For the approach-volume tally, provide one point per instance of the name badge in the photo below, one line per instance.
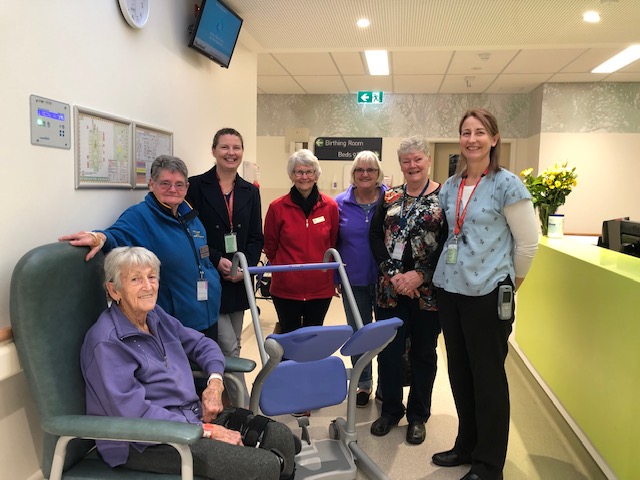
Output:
(317, 220)
(452, 251)
(230, 243)
(202, 290)
(398, 250)
(204, 251)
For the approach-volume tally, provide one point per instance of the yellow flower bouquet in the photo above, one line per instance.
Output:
(549, 190)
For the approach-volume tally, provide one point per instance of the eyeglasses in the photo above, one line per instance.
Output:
(302, 173)
(369, 171)
(164, 185)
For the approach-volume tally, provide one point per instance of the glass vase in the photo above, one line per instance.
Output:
(543, 213)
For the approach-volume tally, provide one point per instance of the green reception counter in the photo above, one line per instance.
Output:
(578, 325)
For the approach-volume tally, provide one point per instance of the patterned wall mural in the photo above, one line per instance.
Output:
(591, 107)
(555, 107)
(436, 116)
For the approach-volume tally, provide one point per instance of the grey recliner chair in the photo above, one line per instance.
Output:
(55, 298)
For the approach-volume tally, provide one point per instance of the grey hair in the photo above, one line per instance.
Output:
(370, 159)
(413, 144)
(167, 162)
(122, 258)
(306, 158)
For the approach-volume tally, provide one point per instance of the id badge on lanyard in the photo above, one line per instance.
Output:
(452, 251)
(202, 288)
(230, 242)
(398, 250)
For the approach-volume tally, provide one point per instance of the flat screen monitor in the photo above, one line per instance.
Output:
(621, 235)
(216, 31)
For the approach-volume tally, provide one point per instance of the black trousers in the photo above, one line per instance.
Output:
(423, 328)
(293, 314)
(476, 341)
(217, 460)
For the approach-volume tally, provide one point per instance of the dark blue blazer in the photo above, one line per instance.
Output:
(206, 197)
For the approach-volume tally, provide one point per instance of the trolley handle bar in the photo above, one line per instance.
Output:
(296, 267)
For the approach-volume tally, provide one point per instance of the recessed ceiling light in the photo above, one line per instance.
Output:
(622, 59)
(377, 62)
(591, 16)
(363, 23)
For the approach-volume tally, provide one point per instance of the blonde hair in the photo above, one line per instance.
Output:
(368, 158)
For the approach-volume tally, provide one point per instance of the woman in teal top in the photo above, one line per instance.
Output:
(492, 237)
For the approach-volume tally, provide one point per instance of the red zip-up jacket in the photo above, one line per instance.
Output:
(291, 238)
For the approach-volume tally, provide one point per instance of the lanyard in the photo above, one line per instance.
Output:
(187, 230)
(460, 217)
(403, 217)
(228, 201)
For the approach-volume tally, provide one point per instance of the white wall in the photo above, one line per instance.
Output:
(84, 53)
(606, 165)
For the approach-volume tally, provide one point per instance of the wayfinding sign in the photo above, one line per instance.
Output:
(345, 148)
(370, 97)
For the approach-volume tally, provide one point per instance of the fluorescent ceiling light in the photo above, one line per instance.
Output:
(377, 62)
(363, 23)
(622, 59)
(591, 16)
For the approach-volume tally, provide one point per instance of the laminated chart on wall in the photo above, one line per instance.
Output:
(103, 150)
(150, 142)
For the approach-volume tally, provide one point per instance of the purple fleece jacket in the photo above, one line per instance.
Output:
(129, 373)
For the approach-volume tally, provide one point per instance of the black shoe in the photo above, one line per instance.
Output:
(378, 396)
(416, 433)
(382, 426)
(475, 476)
(450, 458)
(471, 476)
(362, 399)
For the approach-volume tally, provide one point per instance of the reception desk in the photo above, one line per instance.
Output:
(578, 326)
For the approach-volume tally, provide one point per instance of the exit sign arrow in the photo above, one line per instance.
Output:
(369, 97)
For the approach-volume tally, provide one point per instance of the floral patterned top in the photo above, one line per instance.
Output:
(423, 235)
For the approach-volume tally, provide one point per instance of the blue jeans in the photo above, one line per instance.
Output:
(365, 300)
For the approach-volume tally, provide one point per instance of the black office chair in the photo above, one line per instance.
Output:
(55, 298)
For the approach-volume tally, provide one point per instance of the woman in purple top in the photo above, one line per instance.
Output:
(135, 363)
(356, 207)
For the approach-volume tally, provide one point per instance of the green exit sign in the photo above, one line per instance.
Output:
(369, 97)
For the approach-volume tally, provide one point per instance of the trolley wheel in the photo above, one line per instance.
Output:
(334, 431)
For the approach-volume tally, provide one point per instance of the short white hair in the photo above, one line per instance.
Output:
(306, 158)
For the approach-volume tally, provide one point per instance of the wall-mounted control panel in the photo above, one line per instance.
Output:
(50, 123)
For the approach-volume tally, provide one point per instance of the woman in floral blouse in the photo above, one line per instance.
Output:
(407, 233)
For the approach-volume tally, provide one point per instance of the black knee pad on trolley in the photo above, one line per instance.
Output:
(262, 432)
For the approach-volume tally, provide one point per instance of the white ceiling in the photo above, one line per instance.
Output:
(436, 46)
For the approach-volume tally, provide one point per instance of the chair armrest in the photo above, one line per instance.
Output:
(121, 428)
(232, 364)
(237, 364)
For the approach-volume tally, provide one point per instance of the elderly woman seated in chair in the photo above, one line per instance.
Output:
(135, 362)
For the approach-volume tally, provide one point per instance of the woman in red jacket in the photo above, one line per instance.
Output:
(299, 228)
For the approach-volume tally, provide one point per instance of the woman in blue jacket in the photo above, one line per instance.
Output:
(356, 207)
(168, 226)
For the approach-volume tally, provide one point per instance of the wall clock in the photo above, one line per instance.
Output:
(135, 12)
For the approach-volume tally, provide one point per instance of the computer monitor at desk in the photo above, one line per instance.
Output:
(621, 235)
